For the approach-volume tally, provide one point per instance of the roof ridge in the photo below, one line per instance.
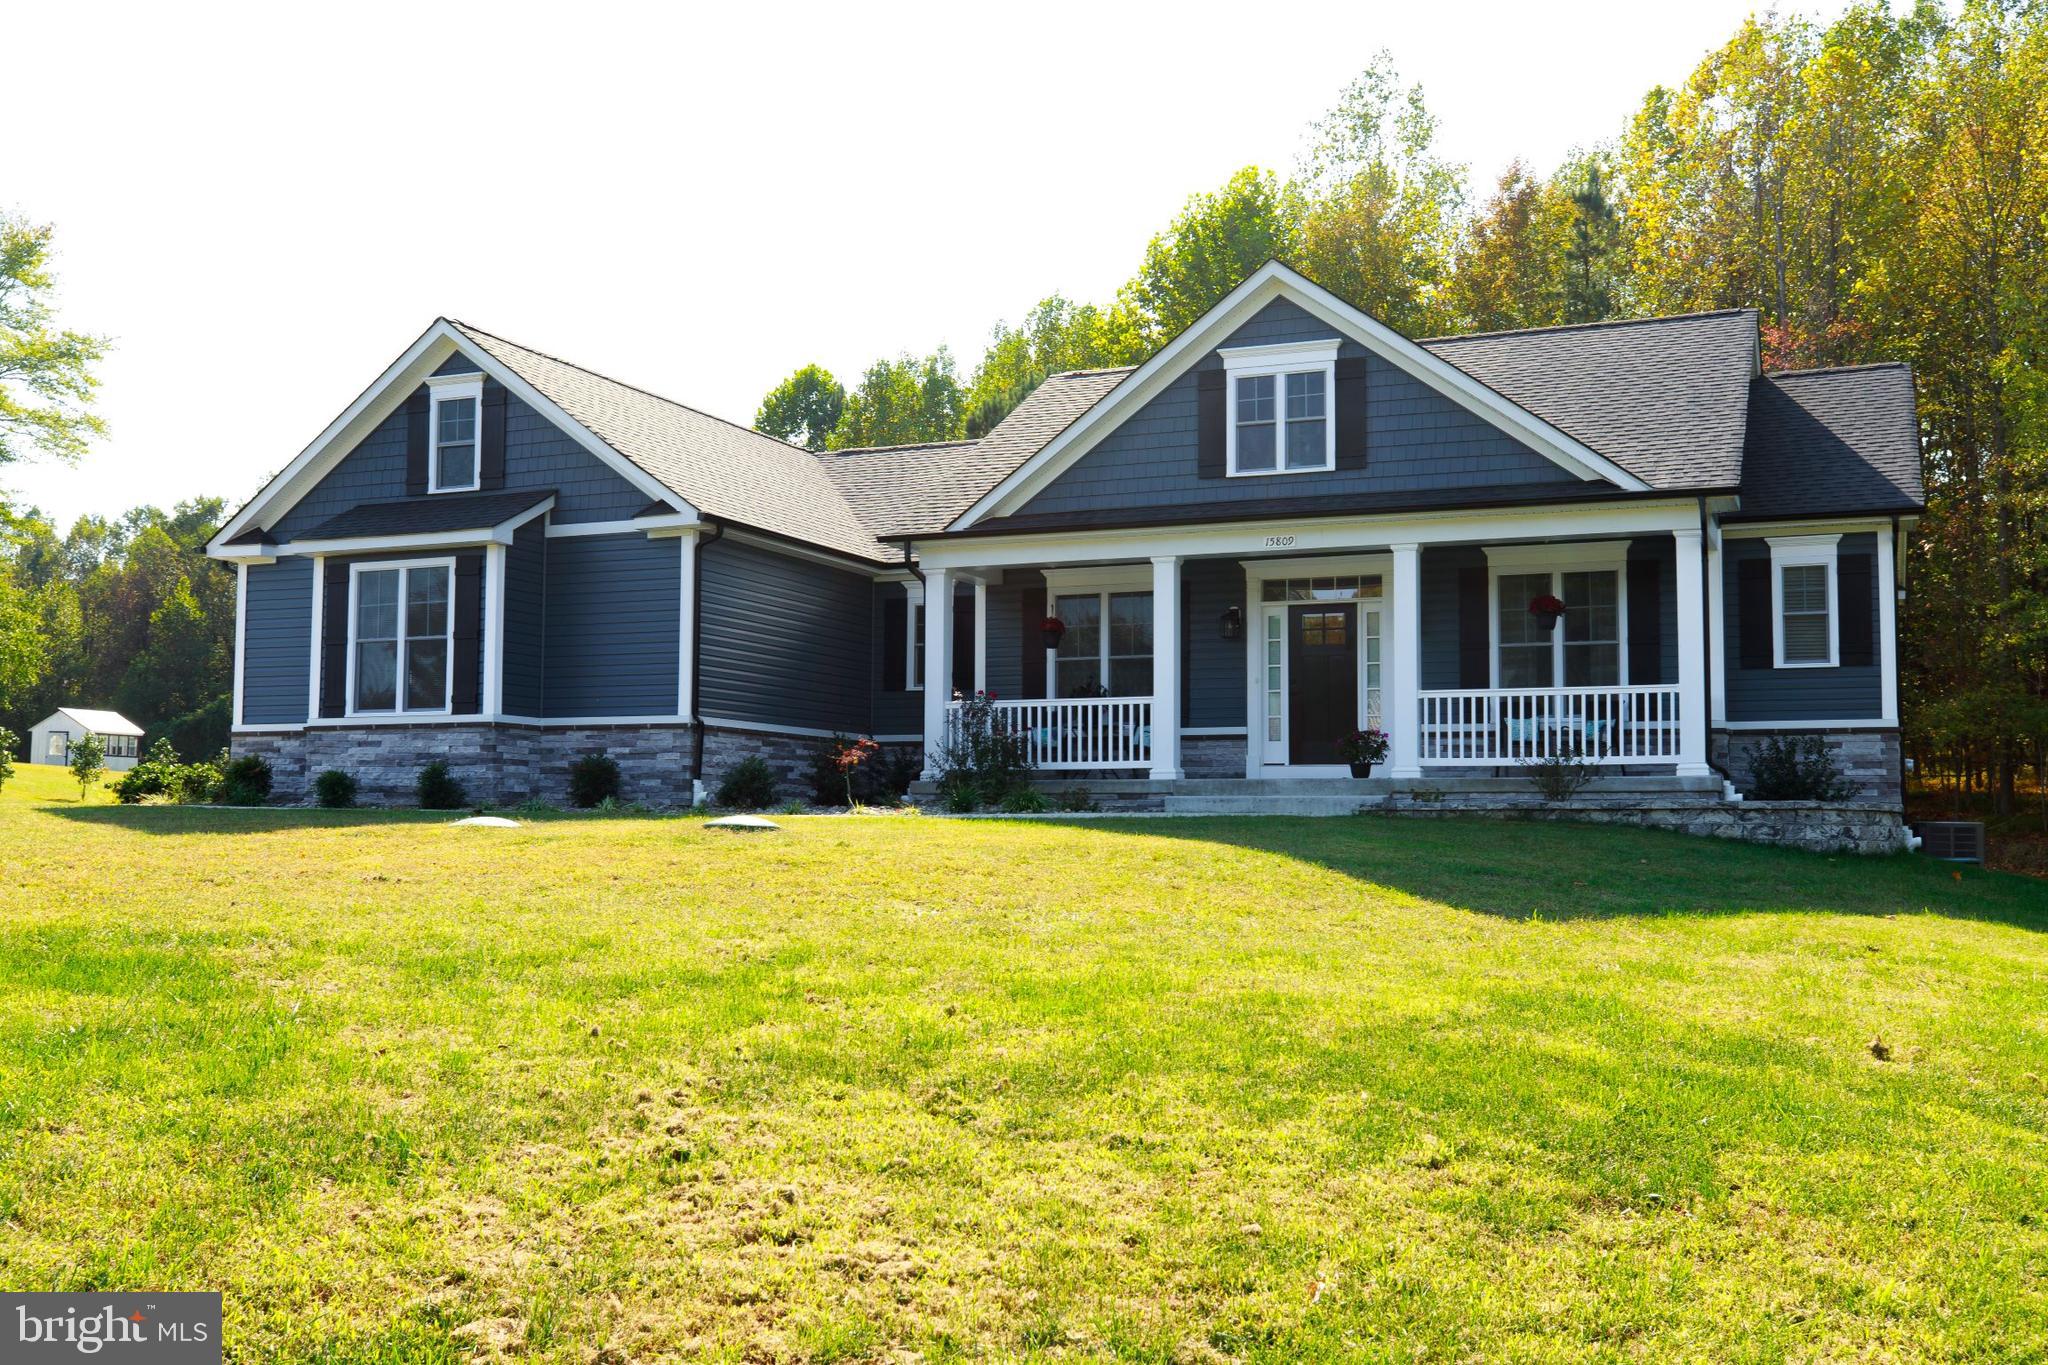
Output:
(909, 445)
(644, 392)
(1086, 374)
(1838, 369)
(1585, 326)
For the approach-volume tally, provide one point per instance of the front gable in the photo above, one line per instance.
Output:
(1432, 430)
(538, 455)
(1417, 441)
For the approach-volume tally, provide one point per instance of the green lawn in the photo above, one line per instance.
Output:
(614, 1089)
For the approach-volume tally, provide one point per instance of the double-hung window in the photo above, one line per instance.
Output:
(1583, 648)
(1279, 408)
(1803, 600)
(455, 431)
(400, 634)
(913, 671)
(1106, 649)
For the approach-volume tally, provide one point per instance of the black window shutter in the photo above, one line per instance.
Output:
(1645, 621)
(1753, 608)
(895, 643)
(963, 642)
(416, 445)
(1210, 420)
(1351, 383)
(1857, 632)
(1475, 632)
(1032, 644)
(467, 641)
(491, 457)
(334, 638)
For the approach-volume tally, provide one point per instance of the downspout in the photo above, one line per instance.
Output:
(697, 545)
(918, 574)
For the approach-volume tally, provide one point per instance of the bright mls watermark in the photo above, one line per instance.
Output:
(161, 1329)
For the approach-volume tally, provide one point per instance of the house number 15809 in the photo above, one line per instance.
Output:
(1279, 542)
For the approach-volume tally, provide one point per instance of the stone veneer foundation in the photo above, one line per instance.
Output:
(1868, 758)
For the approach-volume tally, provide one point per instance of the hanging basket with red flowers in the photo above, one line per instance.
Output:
(1050, 630)
(1546, 609)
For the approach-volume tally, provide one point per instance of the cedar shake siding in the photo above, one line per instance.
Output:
(786, 641)
(537, 456)
(1417, 441)
(1764, 693)
(277, 643)
(612, 620)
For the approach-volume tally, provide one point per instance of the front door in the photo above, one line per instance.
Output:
(1322, 681)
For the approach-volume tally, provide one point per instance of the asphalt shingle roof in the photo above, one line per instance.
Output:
(725, 470)
(1832, 441)
(421, 516)
(1667, 399)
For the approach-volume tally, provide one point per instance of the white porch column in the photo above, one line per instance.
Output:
(1165, 668)
(1404, 705)
(938, 663)
(686, 630)
(493, 698)
(1692, 655)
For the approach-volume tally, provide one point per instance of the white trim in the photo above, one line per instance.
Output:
(501, 534)
(1555, 561)
(319, 627)
(1099, 578)
(1887, 629)
(1404, 687)
(938, 655)
(1323, 566)
(686, 629)
(1717, 632)
(1791, 530)
(1687, 551)
(1213, 731)
(913, 635)
(452, 389)
(241, 633)
(1274, 280)
(1558, 556)
(403, 566)
(1101, 582)
(1278, 363)
(1796, 726)
(1165, 725)
(383, 397)
(1788, 552)
(492, 696)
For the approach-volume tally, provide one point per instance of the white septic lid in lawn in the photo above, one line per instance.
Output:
(488, 822)
(740, 822)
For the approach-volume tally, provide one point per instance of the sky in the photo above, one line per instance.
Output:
(264, 207)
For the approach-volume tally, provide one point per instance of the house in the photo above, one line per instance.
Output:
(1288, 523)
(50, 741)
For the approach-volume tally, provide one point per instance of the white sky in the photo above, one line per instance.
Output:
(263, 208)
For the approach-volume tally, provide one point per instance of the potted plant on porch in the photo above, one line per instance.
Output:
(1363, 748)
(1050, 630)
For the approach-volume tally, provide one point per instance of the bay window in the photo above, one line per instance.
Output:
(400, 635)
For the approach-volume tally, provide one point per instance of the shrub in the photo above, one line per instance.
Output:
(334, 789)
(1565, 774)
(438, 789)
(841, 774)
(1075, 798)
(980, 763)
(156, 775)
(1025, 801)
(1796, 768)
(748, 785)
(593, 778)
(244, 781)
(6, 754)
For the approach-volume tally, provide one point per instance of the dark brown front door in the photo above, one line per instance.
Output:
(1322, 681)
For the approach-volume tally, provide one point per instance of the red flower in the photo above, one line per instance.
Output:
(1545, 605)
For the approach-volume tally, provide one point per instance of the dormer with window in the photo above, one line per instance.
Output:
(455, 433)
(1279, 418)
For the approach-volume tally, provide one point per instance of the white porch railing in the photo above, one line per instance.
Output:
(1077, 732)
(1514, 725)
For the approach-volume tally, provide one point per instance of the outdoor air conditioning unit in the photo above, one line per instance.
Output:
(1952, 841)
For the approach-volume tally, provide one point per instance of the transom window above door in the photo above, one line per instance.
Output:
(1337, 588)
(400, 635)
(453, 463)
(1279, 418)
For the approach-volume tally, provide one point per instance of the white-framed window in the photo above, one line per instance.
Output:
(455, 429)
(401, 635)
(1106, 649)
(1804, 601)
(120, 746)
(1279, 409)
(60, 746)
(1587, 647)
(913, 663)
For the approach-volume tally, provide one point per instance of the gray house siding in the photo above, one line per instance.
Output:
(612, 625)
(893, 711)
(537, 455)
(1794, 694)
(526, 621)
(1417, 440)
(785, 641)
(1215, 667)
(277, 645)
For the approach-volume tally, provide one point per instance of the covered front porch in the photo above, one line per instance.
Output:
(1205, 653)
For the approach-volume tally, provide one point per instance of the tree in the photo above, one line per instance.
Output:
(804, 408)
(1211, 245)
(7, 743)
(1590, 292)
(1512, 271)
(46, 374)
(903, 401)
(88, 762)
(1056, 335)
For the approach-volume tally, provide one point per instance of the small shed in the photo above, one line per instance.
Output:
(51, 741)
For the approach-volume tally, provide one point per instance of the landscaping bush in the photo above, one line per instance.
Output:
(438, 789)
(1075, 798)
(1796, 768)
(593, 778)
(1565, 774)
(156, 775)
(7, 742)
(845, 771)
(335, 789)
(1025, 801)
(244, 781)
(749, 785)
(979, 762)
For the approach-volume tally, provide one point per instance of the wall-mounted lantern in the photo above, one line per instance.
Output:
(1233, 623)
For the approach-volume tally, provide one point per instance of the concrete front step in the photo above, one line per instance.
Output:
(1267, 805)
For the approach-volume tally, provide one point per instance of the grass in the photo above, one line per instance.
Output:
(605, 1089)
